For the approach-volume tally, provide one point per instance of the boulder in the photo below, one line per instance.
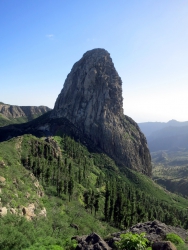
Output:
(3, 211)
(163, 245)
(91, 242)
(28, 212)
(2, 179)
(43, 212)
(13, 211)
(2, 164)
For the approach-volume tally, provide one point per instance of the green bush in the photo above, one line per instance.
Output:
(50, 247)
(182, 247)
(132, 241)
(48, 243)
(174, 238)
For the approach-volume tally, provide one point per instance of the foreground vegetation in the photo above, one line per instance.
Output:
(83, 191)
(133, 241)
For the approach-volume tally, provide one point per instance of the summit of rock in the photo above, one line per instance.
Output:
(92, 83)
(92, 100)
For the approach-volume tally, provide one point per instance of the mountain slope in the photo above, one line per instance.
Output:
(67, 169)
(82, 191)
(10, 114)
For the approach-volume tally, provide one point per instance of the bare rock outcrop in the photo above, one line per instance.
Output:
(3, 211)
(13, 210)
(91, 99)
(91, 242)
(2, 164)
(43, 212)
(11, 112)
(155, 231)
(2, 180)
(29, 212)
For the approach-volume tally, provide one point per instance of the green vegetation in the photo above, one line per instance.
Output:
(182, 247)
(77, 186)
(177, 157)
(132, 241)
(174, 238)
(177, 241)
(171, 170)
(17, 233)
(4, 121)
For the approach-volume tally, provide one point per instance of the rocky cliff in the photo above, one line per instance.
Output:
(92, 100)
(15, 114)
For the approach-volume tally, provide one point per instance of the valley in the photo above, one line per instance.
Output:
(169, 152)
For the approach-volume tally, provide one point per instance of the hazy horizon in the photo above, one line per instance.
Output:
(147, 40)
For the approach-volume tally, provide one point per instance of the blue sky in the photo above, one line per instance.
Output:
(40, 40)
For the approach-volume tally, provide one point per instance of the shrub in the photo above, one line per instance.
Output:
(174, 238)
(182, 247)
(132, 241)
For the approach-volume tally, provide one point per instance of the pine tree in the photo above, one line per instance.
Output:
(107, 202)
(70, 187)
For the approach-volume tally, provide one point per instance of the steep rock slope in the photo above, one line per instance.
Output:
(16, 114)
(92, 100)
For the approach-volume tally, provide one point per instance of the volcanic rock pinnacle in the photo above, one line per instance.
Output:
(92, 100)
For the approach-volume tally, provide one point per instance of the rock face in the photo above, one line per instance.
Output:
(13, 112)
(92, 100)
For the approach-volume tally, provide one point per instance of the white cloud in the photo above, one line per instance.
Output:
(50, 36)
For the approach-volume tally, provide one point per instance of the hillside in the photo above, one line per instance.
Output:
(11, 114)
(171, 169)
(174, 179)
(86, 189)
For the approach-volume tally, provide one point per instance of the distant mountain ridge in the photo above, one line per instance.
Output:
(10, 114)
(149, 127)
(165, 136)
(168, 144)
